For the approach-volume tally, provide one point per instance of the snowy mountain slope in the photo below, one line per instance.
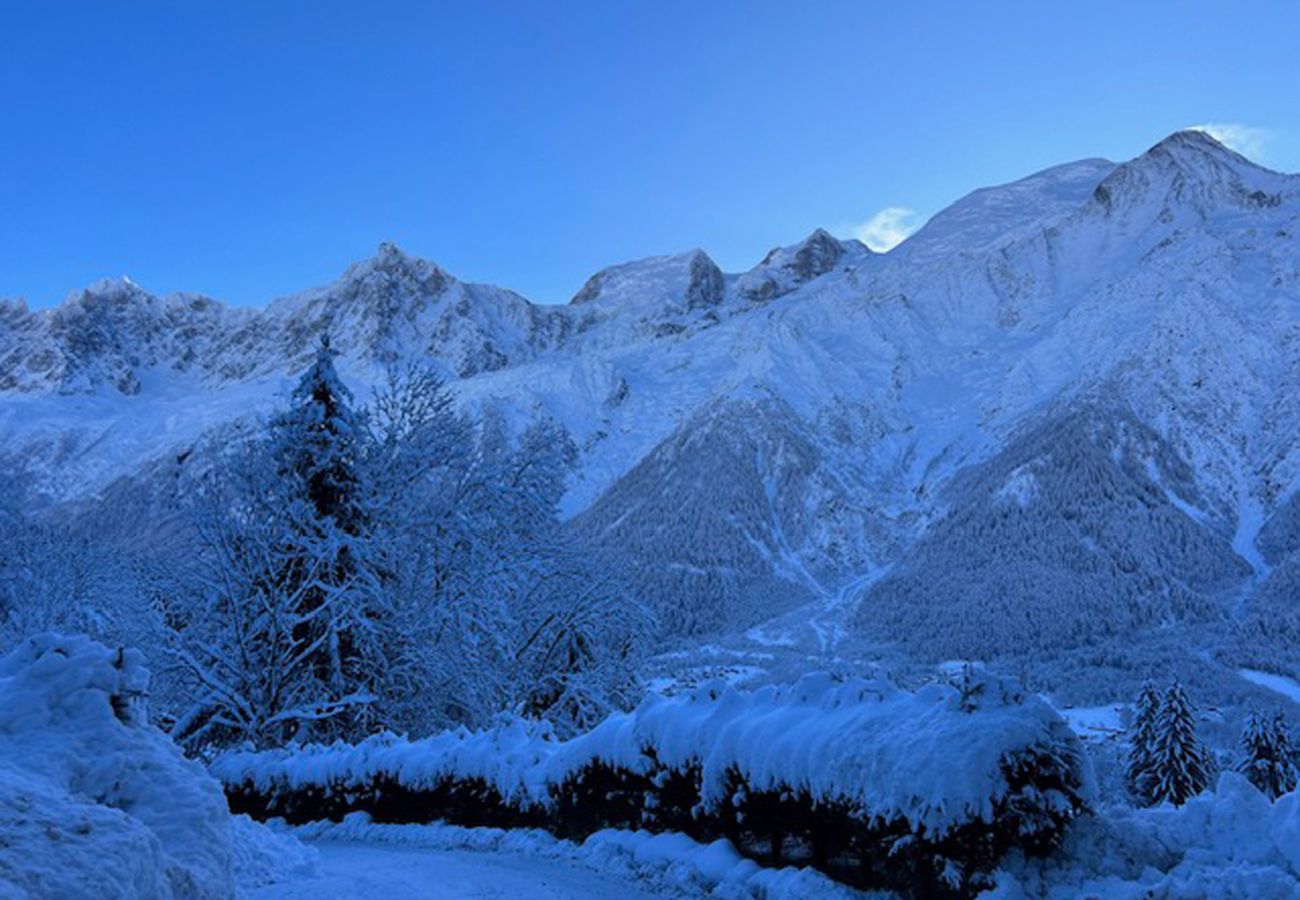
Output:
(1083, 529)
(810, 414)
(686, 530)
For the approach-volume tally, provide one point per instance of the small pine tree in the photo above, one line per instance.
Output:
(1142, 744)
(1268, 757)
(1181, 765)
(1286, 752)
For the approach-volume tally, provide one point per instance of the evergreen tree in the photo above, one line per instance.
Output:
(285, 637)
(1181, 765)
(1268, 757)
(1142, 744)
(318, 448)
(318, 440)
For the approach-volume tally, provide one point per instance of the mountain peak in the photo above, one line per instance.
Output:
(1192, 144)
(691, 280)
(1192, 138)
(1189, 171)
(786, 268)
(391, 259)
(119, 293)
(121, 284)
(391, 264)
(389, 251)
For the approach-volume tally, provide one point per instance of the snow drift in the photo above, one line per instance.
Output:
(96, 803)
(842, 775)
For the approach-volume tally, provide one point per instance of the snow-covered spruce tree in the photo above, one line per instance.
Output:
(1138, 773)
(1268, 759)
(234, 622)
(318, 447)
(286, 632)
(1180, 765)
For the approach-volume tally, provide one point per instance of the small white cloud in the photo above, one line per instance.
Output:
(887, 228)
(1247, 140)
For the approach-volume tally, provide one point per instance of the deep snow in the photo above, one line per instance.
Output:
(96, 803)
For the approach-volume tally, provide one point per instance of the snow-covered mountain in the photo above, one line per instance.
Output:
(1096, 366)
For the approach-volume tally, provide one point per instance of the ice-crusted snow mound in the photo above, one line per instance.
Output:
(934, 758)
(94, 802)
(1232, 843)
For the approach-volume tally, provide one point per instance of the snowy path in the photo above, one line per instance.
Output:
(387, 872)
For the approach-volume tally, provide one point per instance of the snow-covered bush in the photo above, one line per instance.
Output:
(1231, 843)
(93, 801)
(876, 786)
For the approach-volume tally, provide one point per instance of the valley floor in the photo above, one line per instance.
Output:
(353, 869)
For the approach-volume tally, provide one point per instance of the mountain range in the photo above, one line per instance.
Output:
(1062, 415)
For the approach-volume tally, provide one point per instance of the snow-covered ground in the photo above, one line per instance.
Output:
(361, 859)
(94, 802)
(353, 869)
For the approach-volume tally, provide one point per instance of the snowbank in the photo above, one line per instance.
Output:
(263, 855)
(93, 801)
(53, 844)
(1233, 843)
(831, 773)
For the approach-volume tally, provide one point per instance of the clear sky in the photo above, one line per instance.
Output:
(250, 149)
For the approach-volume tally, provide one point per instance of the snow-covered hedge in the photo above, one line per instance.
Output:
(876, 786)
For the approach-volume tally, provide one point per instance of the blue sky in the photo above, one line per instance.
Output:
(246, 150)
